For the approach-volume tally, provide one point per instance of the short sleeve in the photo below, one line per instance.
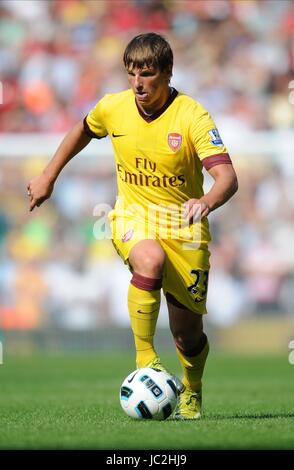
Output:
(206, 138)
(94, 122)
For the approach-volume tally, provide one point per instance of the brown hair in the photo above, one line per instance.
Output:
(149, 49)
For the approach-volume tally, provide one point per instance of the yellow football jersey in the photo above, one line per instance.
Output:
(159, 158)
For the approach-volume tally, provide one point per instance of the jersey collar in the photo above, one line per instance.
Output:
(159, 112)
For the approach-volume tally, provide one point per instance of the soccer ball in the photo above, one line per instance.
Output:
(148, 393)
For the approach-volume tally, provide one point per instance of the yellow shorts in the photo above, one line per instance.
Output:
(186, 270)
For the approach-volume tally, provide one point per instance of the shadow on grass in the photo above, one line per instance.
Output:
(249, 416)
(217, 417)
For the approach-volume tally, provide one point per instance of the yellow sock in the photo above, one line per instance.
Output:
(143, 309)
(193, 368)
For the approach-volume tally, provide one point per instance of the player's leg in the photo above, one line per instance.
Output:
(191, 342)
(192, 349)
(147, 260)
(185, 286)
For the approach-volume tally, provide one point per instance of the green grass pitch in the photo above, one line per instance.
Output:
(71, 402)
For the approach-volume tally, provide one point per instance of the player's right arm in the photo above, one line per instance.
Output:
(40, 188)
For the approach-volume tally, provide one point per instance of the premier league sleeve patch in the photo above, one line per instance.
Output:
(215, 137)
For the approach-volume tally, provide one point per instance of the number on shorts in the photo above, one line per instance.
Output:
(194, 289)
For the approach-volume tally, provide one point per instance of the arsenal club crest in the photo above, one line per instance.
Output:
(174, 141)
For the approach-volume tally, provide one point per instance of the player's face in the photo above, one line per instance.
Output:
(150, 85)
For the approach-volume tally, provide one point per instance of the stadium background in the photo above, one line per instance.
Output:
(63, 289)
(64, 328)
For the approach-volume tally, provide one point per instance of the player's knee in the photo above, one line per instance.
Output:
(153, 264)
(190, 343)
(148, 261)
(184, 342)
(149, 266)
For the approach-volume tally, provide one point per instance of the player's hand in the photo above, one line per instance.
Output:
(195, 209)
(39, 189)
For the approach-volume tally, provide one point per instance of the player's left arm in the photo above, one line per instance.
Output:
(224, 187)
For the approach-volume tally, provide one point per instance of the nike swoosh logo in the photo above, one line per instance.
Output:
(130, 380)
(140, 311)
(118, 135)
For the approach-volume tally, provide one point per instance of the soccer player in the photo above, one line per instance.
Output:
(161, 139)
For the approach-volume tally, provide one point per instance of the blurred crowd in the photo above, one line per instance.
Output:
(56, 59)
(58, 270)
